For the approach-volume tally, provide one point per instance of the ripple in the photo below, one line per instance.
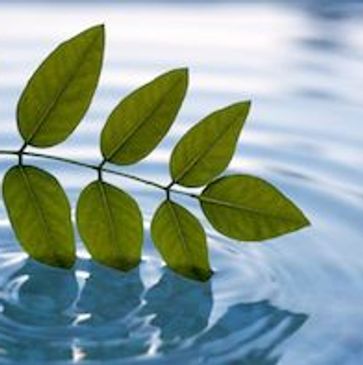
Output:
(293, 300)
(93, 313)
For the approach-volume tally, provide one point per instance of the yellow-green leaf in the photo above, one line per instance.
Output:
(39, 213)
(206, 149)
(181, 241)
(60, 91)
(141, 120)
(110, 225)
(248, 208)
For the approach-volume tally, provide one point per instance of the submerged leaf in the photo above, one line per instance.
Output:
(206, 150)
(141, 120)
(248, 208)
(39, 213)
(181, 241)
(110, 224)
(60, 91)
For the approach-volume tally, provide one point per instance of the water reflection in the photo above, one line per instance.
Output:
(121, 294)
(108, 305)
(300, 62)
(250, 333)
(39, 295)
(35, 314)
(180, 308)
(50, 314)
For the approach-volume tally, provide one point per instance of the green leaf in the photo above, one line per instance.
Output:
(206, 150)
(141, 120)
(60, 91)
(39, 213)
(110, 224)
(248, 208)
(181, 241)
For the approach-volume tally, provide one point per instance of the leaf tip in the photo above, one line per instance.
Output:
(66, 265)
(123, 265)
(101, 28)
(97, 31)
(207, 275)
(305, 222)
(194, 273)
(244, 105)
(301, 219)
(98, 27)
(202, 275)
(182, 72)
(63, 263)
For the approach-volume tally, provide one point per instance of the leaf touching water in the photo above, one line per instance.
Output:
(110, 224)
(60, 91)
(181, 241)
(206, 149)
(141, 120)
(247, 208)
(39, 213)
(109, 221)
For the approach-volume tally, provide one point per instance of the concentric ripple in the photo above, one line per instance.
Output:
(293, 300)
(93, 314)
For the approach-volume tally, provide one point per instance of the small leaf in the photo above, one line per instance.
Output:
(110, 224)
(60, 91)
(181, 241)
(39, 213)
(206, 150)
(249, 209)
(141, 120)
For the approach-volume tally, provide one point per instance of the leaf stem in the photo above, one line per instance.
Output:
(169, 186)
(22, 148)
(21, 152)
(103, 162)
(99, 168)
(99, 174)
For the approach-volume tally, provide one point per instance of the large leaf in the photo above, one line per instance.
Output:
(206, 149)
(110, 224)
(60, 91)
(249, 209)
(181, 240)
(141, 120)
(39, 212)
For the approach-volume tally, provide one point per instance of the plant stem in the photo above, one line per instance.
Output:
(98, 168)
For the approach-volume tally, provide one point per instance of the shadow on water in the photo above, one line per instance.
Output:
(39, 296)
(34, 317)
(250, 333)
(180, 308)
(49, 314)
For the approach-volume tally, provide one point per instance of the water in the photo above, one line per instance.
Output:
(293, 300)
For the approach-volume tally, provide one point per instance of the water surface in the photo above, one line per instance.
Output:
(293, 300)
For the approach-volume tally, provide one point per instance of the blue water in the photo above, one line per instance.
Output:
(296, 300)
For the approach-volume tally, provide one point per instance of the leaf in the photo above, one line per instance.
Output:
(206, 149)
(141, 120)
(39, 213)
(247, 208)
(110, 224)
(60, 91)
(181, 241)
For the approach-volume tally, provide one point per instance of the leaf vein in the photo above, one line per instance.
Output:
(108, 212)
(139, 125)
(247, 209)
(48, 235)
(51, 106)
(202, 154)
(179, 230)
